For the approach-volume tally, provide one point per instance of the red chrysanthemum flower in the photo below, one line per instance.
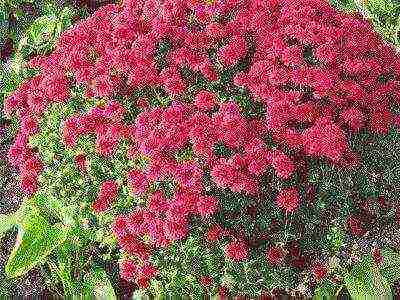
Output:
(81, 162)
(119, 227)
(146, 272)
(288, 199)
(133, 246)
(292, 56)
(32, 165)
(176, 228)
(107, 140)
(223, 292)
(137, 181)
(283, 165)
(397, 121)
(107, 194)
(207, 205)
(355, 226)
(214, 233)
(233, 51)
(206, 281)
(377, 256)
(70, 132)
(320, 271)
(205, 100)
(354, 118)
(325, 139)
(128, 269)
(237, 251)
(380, 121)
(29, 183)
(275, 255)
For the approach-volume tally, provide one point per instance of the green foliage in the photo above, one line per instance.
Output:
(36, 240)
(100, 284)
(365, 280)
(347, 5)
(251, 109)
(44, 31)
(380, 172)
(221, 150)
(335, 238)
(326, 290)
(35, 27)
(254, 276)
(181, 267)
(163, 48)
(383, 14)
(390, 265)
(232, 202)
(63, 203)
(185, 154)
(6, 223)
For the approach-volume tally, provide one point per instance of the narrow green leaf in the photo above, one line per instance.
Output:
(65, 254)
(347, 5)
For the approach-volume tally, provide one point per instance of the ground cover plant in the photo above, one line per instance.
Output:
(195, 149)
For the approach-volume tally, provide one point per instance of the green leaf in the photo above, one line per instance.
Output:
(44, 25)
(6, 223)
(390, 265)
(326, 290)
(67, 15)
(364, 281)
(32, 248)
(35, 241)
(347, 5)
(184, 154)
(100, 285)
(139, 295)
(64, 268)
(49, 204)
(335, 238)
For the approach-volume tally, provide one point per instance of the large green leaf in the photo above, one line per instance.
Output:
(364, 281)
(35, 241)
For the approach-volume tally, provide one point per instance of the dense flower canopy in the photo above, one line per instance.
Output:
(318, 76)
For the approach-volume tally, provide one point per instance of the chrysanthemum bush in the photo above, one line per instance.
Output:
(202, 140)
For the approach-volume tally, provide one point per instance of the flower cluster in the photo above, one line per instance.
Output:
(318, 74)
(107, 195)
